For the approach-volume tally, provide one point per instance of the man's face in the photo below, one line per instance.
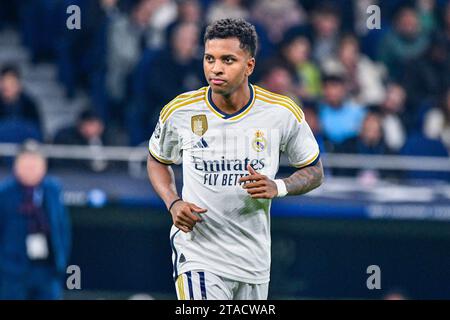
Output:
(279, 81)
(226, 65)
(185, 41)
(190, 11)
(326, 24)
(91, 129)
(29, 169)
(298, 51)
(348, 53)
(10, 87)
(371, 129)
(334, 93)
(408, 23)
(395, 99)
(143, 12)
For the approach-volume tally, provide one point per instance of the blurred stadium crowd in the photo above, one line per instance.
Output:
(380, 91)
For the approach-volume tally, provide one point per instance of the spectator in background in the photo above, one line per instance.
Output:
(295, 51)
(427, 77)
(426, 14)
(40, 26)
(364, 78)
(406, 42)
(226, 9)
(341, 119)
(446, 24)
(81, 54)
(164, 14)
(126, 40)
(437, 121)
(34, 231)
(88, 131)
(310, 110)
(188, 11)
(182, 71)
(326, 21)
(15, 104)
(276, 17)
(443, 35)
(391, 110)
(370, 141)
(278, 77)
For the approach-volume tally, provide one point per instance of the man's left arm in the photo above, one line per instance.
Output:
(305, 179)
(259, 186)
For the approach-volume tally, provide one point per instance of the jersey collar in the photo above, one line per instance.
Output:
(234, 116)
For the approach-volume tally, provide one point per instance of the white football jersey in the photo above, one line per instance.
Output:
(233, 240)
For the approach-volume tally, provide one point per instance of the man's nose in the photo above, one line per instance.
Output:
(217, 67)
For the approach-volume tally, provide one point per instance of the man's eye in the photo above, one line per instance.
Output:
(209, 59)
(229, 60)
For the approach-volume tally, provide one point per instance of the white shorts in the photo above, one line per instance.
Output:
(204, 285)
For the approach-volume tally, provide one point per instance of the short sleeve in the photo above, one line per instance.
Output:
(299, 144)
(164, 144)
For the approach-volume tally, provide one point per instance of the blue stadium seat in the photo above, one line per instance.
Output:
(17, 131)
(419, 145)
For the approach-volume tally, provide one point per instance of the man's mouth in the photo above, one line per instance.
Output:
(217, 81)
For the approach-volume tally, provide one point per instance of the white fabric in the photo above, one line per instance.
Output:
(281, 187)
(394, 133)
(435, 126)
(204, 285)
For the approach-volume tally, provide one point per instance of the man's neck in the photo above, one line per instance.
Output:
(233, 102)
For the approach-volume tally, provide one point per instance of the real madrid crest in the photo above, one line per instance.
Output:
(199, 124)
(259, 143)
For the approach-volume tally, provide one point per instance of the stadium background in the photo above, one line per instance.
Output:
(386, 199)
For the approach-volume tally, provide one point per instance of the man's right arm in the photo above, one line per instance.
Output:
(163, 181)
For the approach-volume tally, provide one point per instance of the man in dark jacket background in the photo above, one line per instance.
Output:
(15, 103)
(34, 231)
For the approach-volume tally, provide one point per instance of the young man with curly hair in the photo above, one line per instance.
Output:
(228, 137)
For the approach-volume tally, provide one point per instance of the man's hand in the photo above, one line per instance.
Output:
(183, 215)
(258, 185)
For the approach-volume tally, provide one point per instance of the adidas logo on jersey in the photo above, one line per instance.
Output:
(201, 144)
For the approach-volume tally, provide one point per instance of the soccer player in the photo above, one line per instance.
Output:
(228, 137)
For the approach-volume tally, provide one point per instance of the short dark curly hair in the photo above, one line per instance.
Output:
(234, 28)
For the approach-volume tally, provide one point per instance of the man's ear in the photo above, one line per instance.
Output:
(250, 66)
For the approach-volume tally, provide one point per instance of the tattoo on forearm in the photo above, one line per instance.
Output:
(305, 180)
